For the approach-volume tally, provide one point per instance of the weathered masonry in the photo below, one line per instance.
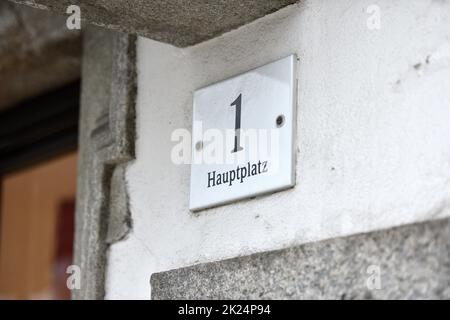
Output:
(369, 215)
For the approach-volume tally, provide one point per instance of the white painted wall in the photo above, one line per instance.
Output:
(373, 135)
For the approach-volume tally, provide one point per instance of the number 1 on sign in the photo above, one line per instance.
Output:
(237, 124)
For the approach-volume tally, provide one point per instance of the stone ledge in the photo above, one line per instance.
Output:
(414, 263)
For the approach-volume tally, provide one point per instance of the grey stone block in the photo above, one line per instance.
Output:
(107, 135)
(413, 263)
(178, 22)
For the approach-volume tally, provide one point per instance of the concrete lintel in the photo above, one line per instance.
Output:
(179, 22)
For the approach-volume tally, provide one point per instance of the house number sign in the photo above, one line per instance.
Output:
(243, 136)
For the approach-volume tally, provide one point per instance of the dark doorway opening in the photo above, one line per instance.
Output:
(38, 162)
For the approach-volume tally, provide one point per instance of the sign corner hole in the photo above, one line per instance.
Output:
(280, 120)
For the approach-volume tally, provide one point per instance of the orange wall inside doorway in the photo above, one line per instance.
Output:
(30, 203)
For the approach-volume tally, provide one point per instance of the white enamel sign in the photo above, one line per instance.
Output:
(243, 136)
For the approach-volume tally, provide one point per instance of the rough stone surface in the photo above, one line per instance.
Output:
(178, 22)
(414, 263)
(106, 144)
(37, 53)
